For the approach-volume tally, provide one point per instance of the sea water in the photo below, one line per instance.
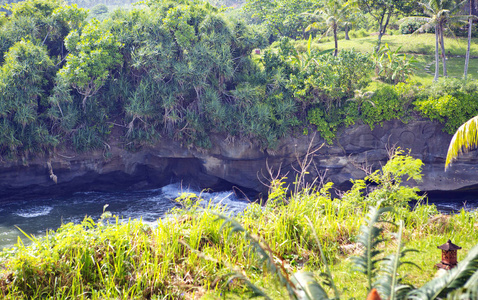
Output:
(36, 216)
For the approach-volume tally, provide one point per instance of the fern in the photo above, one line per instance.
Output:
(389, 284)
(370, 238)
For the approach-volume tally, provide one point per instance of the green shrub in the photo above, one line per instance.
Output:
(327, 79)
(451, 102)
(391, 66)
(384, 105)
(328, 123)
(409, 26)
(453, 110)
(358, 33)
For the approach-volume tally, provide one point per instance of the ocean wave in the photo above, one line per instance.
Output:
(34, 212)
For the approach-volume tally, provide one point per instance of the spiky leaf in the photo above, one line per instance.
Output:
(465, 139)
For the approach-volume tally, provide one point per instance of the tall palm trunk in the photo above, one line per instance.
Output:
(436, 54)
(443, 54)
(470, 26)
(467, 59)
(347, 32)
(335, 39)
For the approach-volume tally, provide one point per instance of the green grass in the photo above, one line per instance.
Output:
(189, 256)
(421, 46)
(192, 254)
(455, 68)
(415, 44)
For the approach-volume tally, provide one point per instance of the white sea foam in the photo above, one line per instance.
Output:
(172, 191)
(228, 199)
(34, 211)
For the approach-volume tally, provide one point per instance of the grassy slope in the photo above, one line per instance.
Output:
(132, 261)
(422, 47)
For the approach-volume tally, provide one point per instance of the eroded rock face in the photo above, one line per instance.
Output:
(244, 164)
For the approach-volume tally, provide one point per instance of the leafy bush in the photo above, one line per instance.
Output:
(328, 123)
(358, 33)
(452, 102)
(391, 66)
(409, 26)
(384, 105)
(315, 77)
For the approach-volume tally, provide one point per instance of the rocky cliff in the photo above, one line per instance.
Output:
(242, 163)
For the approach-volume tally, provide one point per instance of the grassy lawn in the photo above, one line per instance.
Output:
(425, 68)
(417, 44)
(426, 239)
(422, 47)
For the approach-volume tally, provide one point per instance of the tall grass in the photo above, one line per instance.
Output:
(190, 254)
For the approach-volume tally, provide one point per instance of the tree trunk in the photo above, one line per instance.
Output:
(382, 30)
(347, 32)
(335, 39)
(467, 59)
(379, 42)
(443, 54)
(436, 54)
(84, 102)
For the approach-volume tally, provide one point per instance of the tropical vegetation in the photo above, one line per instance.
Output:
(186, 70)
(440, 14)
(78, 80)
(201, 250)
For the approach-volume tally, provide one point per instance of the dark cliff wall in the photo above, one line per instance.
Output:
(243, 164)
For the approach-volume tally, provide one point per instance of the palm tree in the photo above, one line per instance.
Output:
(334, 13)
(470, 25)
(440, 13)
(464, 140)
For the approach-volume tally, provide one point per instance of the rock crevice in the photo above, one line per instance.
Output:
(242, 163)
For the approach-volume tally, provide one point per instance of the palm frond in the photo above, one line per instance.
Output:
(464, 293)
(458, 6)
(389, 284)
(464, 140)
(307, 287)
(370, 238)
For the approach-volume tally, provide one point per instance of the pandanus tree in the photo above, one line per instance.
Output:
(22, 86)
(333, 13)
(44, 22)
(93, 53)
(440, 13)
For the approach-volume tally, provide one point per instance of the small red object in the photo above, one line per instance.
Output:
(448, 256)
(373, 295)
